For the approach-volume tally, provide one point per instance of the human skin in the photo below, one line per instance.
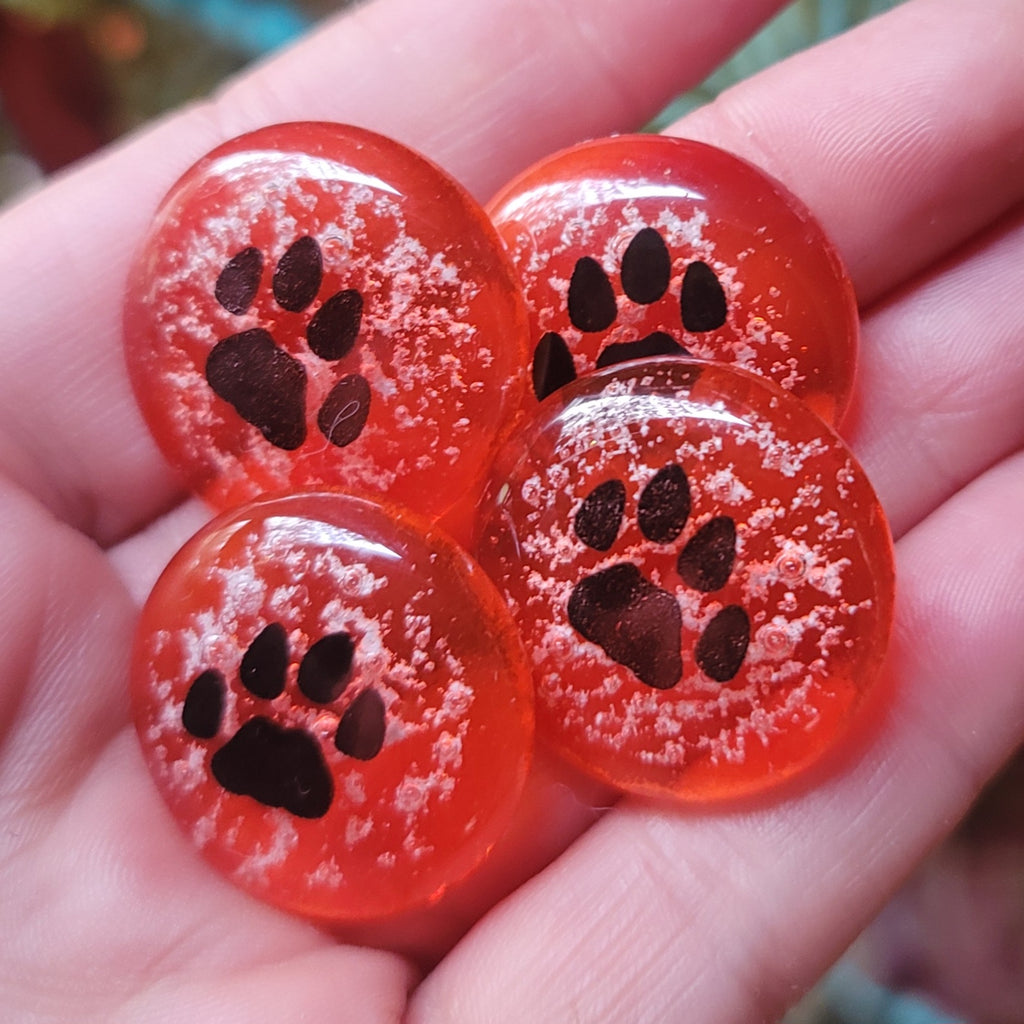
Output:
(906, 138)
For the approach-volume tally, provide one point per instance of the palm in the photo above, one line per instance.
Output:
(106, 911)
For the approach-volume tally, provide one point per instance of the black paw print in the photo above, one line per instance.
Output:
(267, 386)
(274, 764)
(645, 274)
(636, 623)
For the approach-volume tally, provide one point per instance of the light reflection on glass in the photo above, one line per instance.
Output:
(298, 165)
(596, 191)
(608, 410)
(290, 531)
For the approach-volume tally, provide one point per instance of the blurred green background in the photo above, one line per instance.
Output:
(75, 74)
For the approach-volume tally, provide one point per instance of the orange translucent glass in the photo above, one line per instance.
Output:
(318, 306)
(639, 246)
(701, 573)
(335, 704)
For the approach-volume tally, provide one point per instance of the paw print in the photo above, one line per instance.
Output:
(264, 383)
(277, 765)
(638, 624)
(592, 306)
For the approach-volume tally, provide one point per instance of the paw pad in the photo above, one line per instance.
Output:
(637, 623)
(280, 765)
(347, 319)
(265, 384)
(638, 246)
(592, 307)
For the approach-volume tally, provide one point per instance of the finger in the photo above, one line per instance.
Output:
(66, 624)
(886, 156)
(486, 95)
(657, 915)
(109, 914)
(479, 87)
(104, 906)
(139, 560)
(905, 136)
(306, 987)
(940, 380)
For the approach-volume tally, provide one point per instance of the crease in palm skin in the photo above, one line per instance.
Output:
(107, 912)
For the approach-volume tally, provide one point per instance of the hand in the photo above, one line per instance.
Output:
(906, 139)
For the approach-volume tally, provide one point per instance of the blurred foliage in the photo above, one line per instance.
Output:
(50, 11)
(848, 996)
(174, 63)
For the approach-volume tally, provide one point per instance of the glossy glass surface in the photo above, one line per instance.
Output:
(701, 573)
(638, 246)
(334, 703)
(316, 305)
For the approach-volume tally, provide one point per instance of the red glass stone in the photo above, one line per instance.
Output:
(647, 245)
(318, 306)
(701, 573)
(335, 704)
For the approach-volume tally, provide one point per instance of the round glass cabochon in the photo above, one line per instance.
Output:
(701, 572)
